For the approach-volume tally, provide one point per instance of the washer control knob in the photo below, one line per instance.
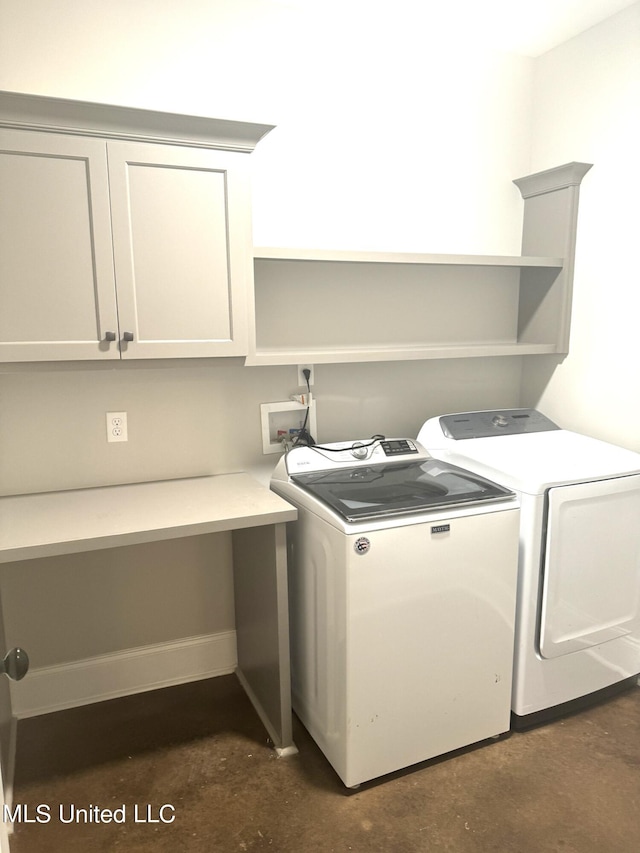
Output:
(500, 421)
(359, 451)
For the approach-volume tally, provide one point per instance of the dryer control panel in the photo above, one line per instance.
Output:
(496, 422)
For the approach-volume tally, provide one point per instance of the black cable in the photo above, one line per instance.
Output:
(304, 437)
(373, 440)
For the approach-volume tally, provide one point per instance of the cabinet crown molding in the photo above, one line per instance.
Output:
(568, 175)
(59, 115)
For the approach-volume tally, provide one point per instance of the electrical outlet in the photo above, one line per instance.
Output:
(117, 426)
(301, 377)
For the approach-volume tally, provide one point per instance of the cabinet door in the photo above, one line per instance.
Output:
(182, 248)
(57, 295)
(7, 747)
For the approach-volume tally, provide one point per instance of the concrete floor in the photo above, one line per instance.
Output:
(572, 786)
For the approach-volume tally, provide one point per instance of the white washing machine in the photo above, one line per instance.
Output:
(402, 579)
(578, 613)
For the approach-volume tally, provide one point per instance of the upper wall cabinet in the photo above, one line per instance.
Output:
(123, 233)
(336, 306)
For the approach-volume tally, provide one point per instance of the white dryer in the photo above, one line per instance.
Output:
(402, 584)
(578, 610)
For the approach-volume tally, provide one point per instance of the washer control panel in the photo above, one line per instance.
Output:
(354, 454)
(498, 422)
(398, 446)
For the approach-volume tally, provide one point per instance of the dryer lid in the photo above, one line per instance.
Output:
(533, 461)
(398, 488)
(494, 423)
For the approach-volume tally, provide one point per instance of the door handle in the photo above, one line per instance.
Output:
(110, 336)
(128, 336)
(15, 664)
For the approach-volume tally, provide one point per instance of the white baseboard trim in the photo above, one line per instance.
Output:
(54, 688)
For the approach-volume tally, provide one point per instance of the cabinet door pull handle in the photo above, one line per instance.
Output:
(128, 336)
(110, 336)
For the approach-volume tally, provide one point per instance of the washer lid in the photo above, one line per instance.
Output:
(495, 423)
(398, 488)
(533, 462)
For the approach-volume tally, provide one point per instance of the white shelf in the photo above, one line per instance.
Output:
(347, 354)
(322, 306)
(345, 256)
(318, 306)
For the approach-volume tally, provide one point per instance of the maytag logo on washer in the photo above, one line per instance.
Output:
(361, 545)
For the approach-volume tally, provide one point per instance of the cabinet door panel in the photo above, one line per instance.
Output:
(57, 295)
(7, 746)
(182, 250)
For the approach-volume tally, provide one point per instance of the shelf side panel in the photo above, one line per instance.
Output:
(549, 227)
(542, 306)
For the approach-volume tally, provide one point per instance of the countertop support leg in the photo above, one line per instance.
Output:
(262, 627)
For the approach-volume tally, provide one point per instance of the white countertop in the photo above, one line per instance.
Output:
(50, 523)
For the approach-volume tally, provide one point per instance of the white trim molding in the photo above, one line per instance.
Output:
(85, 118)
(68, 685)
